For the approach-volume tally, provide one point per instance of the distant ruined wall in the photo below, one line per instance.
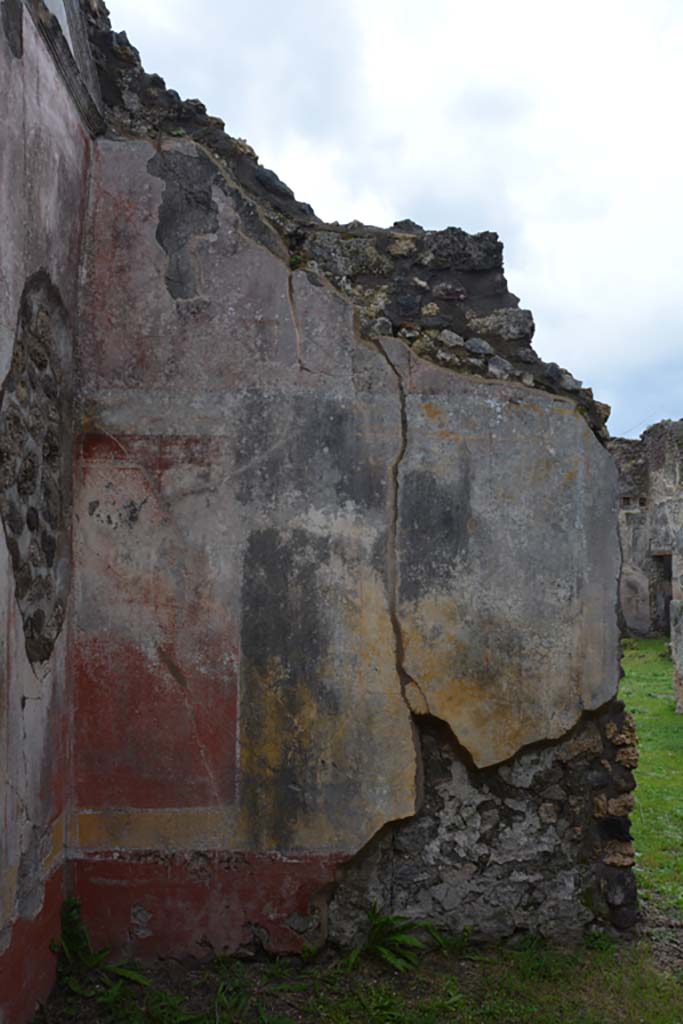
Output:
(651, 534)
(325, 614)
(650, 523)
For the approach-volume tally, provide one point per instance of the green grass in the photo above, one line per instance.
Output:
(647, 691)
(598, 983)
(532, 985)
(601, 982)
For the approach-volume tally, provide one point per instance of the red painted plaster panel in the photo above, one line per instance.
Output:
(27, 967)
(155, 650)
(147, 735)
(195, 904)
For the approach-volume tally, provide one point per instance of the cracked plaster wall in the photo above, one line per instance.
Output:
(43, 171)
(343, 612)
(298, 539)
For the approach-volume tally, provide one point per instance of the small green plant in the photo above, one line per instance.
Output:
(233, 996)
(392, 939)
(82, 969)
(535, 960)
(600, 942)
(458, 945)
(381, 1005)
(231, 999)
(295, 261)
(116, 988)
(452, 996)
(308, 954)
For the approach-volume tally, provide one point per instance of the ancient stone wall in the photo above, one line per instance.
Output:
(650, 523)
(44, 152)
(539, 844)
(35, 460)
(368, 506)
(651, 534)
(341, 617)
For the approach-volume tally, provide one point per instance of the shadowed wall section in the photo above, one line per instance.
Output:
(44, 155)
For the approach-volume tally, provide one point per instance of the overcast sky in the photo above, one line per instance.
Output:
(558, 126)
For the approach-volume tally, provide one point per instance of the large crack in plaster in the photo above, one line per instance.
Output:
(411, 690)
(295, 324)
(413, 694)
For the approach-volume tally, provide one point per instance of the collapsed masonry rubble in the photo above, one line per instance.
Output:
(328, 617)
(651, 533)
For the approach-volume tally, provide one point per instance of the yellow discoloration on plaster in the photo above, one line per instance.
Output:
(189, 828)
(484, 695)
(432, 411)
(342, 742)
(508, 633)
(416, 699)
(56, 853)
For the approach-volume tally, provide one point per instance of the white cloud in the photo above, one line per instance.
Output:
(555, 126)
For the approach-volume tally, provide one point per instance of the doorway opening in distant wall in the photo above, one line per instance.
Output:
(660, 591)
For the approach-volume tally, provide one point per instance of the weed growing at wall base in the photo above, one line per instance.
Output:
(600, 983)
(83, 970)
(393, 940)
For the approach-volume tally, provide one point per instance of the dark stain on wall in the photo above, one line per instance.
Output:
(285, 641)
(433, 528)
(306, 444)
(11, 13)
(35, 460)
(187, 210)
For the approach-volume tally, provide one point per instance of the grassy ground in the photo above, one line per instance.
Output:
(657, 821)
(601, 983)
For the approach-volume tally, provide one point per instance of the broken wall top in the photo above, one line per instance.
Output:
(649, 463)
(442, 292)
